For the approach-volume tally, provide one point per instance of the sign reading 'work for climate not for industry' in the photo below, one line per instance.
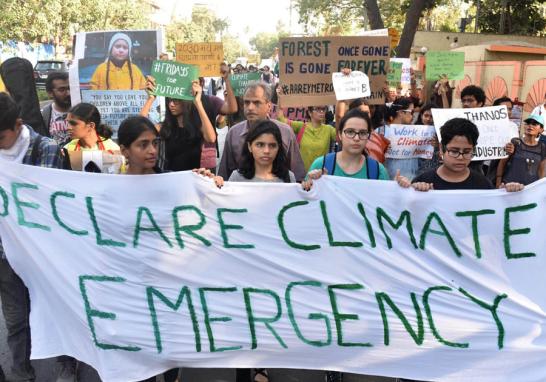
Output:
(306, 66)
(144, 274)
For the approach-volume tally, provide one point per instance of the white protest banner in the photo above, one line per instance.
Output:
(135, 275)
(495, 128)
(410, 141)
(351, 86)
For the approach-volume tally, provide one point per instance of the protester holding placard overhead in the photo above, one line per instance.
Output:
(118, 72)
(257, 105)
(527, 161)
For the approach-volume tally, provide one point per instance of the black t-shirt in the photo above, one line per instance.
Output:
(183, 152)
(474, 181)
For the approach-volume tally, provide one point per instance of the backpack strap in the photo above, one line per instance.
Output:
(300, 133)
(329, 163)
(372, 167)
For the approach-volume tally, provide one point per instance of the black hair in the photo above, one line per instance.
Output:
(9, 112)
(425, 107)
(498, 101)
(191, 120)
(53, 76)
(358, 102)
(132, 127)
(354, 113)
(475, 91)
(89, 113)
(280, 163)
(401, 103)
(459, 127)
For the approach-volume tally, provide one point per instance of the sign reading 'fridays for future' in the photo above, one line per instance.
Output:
(174, 80)
(306, 66)
(496, 130)
(182, 273)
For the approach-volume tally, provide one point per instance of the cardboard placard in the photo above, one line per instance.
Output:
(354, 85)
(445, 63)
(207, 56)
(239, 82)
(174, 80)
(307, 63)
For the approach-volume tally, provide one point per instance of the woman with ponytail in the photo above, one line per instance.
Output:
(87, 131)
(118, 72)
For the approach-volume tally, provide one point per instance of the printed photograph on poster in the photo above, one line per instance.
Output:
(117, 60)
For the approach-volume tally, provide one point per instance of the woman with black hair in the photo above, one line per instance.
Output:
(425, 118)
(139, 139)
(87, 131)
(263, 156)
(185, 128)
(400, 112)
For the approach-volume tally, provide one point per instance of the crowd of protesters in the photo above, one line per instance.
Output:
(262, 145)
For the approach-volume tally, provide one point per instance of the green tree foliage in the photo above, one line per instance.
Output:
(204, 26)
(233, 48)
(58, 20)
(523, 17)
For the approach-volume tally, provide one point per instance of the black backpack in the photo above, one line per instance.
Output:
(18, 77)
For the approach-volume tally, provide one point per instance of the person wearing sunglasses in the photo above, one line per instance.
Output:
(459, 139)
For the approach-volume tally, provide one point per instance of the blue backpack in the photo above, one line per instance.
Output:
(372, 166)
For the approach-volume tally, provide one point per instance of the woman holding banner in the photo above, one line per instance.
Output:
(118, 72)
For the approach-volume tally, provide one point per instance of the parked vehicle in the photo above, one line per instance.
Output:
(43, 68)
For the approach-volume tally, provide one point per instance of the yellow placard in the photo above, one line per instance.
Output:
(208, 56)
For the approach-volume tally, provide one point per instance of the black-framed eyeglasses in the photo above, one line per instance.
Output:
(454, 153)
(62, 89)
(362, 134)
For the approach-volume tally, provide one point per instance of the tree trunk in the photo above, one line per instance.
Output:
(374, 16)
(413, 15)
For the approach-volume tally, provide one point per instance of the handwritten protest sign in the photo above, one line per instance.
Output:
(495, 128)
(405, 78)
(410, 141)
(295, 113)
(239, 82)
(354, 85)
(207, 56)
(160, 271)
(394, 75)
(174, 80)
(307, 63)
(116, 105)
(393, 33)
(445, 63)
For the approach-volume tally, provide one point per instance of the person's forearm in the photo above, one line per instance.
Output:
(209, 135)
(147, 107)
(231, 101)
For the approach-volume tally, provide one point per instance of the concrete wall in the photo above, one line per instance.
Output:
(443, 40)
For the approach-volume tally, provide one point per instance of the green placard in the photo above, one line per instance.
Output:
(239, 82)
(440, 64)
(394, 75)
(174, 80)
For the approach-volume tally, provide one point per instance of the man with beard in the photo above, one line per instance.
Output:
(257, 105)
(54, 114)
